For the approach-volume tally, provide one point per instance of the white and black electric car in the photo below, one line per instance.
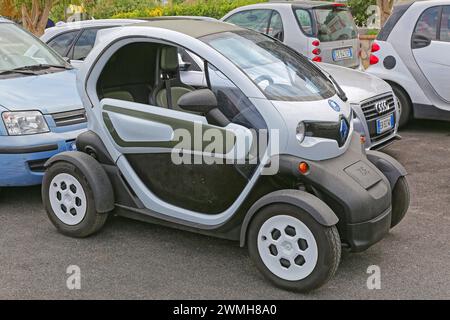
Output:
(264, 154)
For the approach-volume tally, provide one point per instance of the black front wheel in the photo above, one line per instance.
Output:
(291, 249)
(400, 201)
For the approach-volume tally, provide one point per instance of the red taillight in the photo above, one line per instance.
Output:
(375, 47)
(317, 59)
(316, 43)
(317, 51)
(339, 5)
(374, 59)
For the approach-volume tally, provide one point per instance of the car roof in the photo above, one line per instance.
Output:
(297, 4)
(4, 20)
(191, 26)
(93, 23)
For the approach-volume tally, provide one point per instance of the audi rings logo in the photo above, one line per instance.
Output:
(382, 106)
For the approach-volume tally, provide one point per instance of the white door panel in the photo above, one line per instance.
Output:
(434, 62)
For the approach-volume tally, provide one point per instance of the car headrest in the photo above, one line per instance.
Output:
(169, 59)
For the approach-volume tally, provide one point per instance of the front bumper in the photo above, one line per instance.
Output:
(368, 129)
(357, 192)
(22, 158)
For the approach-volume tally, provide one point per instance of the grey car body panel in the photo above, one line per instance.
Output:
(319, 210)
(95, 175)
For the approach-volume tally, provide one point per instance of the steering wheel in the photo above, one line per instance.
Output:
(264, 78)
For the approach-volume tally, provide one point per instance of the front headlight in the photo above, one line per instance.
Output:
(301, 130)
(24, 123)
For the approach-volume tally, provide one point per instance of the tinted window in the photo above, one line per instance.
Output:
(427, 24)
(257, 20)
(304, 20)
(84, 44)
(63, 42)
(445, 25)
(390, 24)
(276, 27)
(334, 24)
(280, 72)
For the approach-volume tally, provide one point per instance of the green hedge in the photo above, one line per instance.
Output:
(212, 8)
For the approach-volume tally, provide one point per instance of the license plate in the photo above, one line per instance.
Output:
(385, 124)
(71, 146)
(342, 54)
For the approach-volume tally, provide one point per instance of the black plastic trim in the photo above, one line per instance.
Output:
(34, 149)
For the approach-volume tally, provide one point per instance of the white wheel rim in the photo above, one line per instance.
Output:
(67, 199)
(289, 256)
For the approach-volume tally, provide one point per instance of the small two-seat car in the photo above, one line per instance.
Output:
(323, 31)
(372, 99)
(41, 111)
(264, 154)
(412, 53)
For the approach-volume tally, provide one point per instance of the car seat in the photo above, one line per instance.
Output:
(169, 89)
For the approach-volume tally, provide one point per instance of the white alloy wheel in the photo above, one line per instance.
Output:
(68, 199)
(287, 248)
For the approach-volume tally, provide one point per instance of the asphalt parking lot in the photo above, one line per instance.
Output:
(134, 260)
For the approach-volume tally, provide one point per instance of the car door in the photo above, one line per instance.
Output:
(199, 181)
(430, 45)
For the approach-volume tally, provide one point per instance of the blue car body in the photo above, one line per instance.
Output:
(55, 95)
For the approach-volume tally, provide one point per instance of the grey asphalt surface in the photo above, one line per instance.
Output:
(134, 260)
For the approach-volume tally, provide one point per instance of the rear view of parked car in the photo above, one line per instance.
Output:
(322, 31)
(412, 53)
(41, 112)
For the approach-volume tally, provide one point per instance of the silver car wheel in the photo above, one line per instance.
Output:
(67, 199)
(287, 248)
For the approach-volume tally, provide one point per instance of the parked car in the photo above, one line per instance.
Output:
(41, 111)
(292, 201)
(412, 53)
(372, 99)
(74, 40)
(322, 31)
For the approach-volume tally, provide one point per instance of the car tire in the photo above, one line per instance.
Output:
(400, 201)
(291, 249)
(69, 201)
(404, 106)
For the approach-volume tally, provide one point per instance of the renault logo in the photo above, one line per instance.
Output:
(382, 106)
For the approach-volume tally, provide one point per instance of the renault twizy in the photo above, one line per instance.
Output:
(264, 154)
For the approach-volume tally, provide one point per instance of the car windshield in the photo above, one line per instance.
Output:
(19, 49)
(334, 24)
(277, 70)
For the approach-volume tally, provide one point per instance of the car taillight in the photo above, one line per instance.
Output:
(317, 59)
(375, 47)
(316, 43)
(374, 59)
(316, 51)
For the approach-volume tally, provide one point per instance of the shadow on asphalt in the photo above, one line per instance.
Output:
(429, 126)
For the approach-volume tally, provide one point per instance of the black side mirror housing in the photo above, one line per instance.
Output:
(204, 101)
(201, 101)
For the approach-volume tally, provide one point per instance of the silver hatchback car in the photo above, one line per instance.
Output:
(322, 31)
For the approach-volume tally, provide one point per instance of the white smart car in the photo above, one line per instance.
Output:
(412, 53)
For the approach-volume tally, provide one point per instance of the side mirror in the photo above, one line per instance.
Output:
(184, 66)
(204, 101)
(201, 101)
(420, 41)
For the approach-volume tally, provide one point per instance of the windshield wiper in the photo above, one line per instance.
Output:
(18, 70)
(44, 66)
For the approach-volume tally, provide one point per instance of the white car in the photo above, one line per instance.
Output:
(372, 99)
(412, 53)
(320, 30)
(74, 40)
